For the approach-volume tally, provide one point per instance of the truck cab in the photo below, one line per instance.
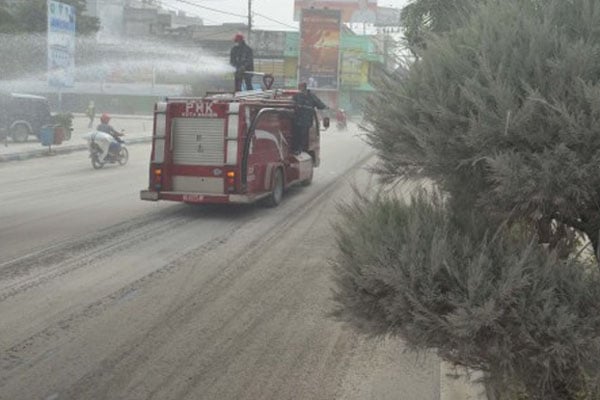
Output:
(228, 148)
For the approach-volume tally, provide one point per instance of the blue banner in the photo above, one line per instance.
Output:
(61, 44)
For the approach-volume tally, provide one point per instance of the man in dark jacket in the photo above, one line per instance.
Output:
(306, 102)
(242, 59)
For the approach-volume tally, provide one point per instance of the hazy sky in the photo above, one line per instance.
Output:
(277, 10)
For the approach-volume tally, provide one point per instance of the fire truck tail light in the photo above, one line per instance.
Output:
(230, 180)
(157, 178)
(232, 149)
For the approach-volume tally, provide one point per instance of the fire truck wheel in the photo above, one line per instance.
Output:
(277, 194)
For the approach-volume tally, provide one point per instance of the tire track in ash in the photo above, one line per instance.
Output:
(119, 368)
(20, 353)
(35, 269)
(32, 350)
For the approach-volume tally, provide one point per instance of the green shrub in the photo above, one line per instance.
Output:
(497, 302)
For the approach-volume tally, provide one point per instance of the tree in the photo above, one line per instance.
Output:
(423, 17)
(495, 302)
(7, 21)
(501, 112)
(32, 16)
(503, 115)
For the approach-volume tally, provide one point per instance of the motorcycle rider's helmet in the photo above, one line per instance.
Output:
(105, 118)
(238, 37)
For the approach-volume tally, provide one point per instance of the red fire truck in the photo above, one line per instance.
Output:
(228, 148)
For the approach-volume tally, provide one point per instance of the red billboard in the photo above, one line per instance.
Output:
(351, 10)
(319, 48)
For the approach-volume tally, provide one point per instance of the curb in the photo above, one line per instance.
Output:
(116, 116)
(44, 152)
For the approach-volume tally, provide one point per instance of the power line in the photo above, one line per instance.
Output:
(274, 20)
(194, 4)
(211, 9)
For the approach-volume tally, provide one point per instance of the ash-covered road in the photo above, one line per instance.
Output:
(103, 296)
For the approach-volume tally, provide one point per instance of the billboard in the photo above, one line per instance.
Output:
(353, 71)
(351, 10)
(61, 44)
(319, 48)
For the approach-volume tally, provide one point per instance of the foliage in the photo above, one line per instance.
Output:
(65, 120)
(498, 302)
(31, 16)
(503, 114)
(423, 17)
(7, 21)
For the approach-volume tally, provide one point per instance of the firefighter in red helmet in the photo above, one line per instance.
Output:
(105, 127)
(242, 59)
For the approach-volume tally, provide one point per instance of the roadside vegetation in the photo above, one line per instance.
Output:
(23, 36)
(496, 269)
(31, 16)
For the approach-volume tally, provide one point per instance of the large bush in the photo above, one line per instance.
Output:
(502, 113)
(499, 303)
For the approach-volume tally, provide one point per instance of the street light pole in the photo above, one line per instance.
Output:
(249, 19)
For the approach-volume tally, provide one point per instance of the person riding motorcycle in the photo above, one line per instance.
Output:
(114, 142)
(341, 118)
(115, 145)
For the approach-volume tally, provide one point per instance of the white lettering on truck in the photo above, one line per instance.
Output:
(199, 109)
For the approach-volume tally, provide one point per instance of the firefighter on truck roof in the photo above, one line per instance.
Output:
(242, 59)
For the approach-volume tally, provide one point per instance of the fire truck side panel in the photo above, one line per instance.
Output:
(268, 149)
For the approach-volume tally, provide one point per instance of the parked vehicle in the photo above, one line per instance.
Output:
(22, 115)
(228, 148)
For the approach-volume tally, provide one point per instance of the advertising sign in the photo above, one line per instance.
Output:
(319, 48)
(352, 10)
(61, 44)
(352, 70)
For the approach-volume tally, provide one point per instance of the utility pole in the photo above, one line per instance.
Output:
(249, 19)
(386, 50)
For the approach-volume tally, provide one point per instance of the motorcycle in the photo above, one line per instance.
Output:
(113, 157)
(341, 119)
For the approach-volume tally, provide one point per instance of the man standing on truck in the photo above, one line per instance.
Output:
(242, 59)
(306, 102)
